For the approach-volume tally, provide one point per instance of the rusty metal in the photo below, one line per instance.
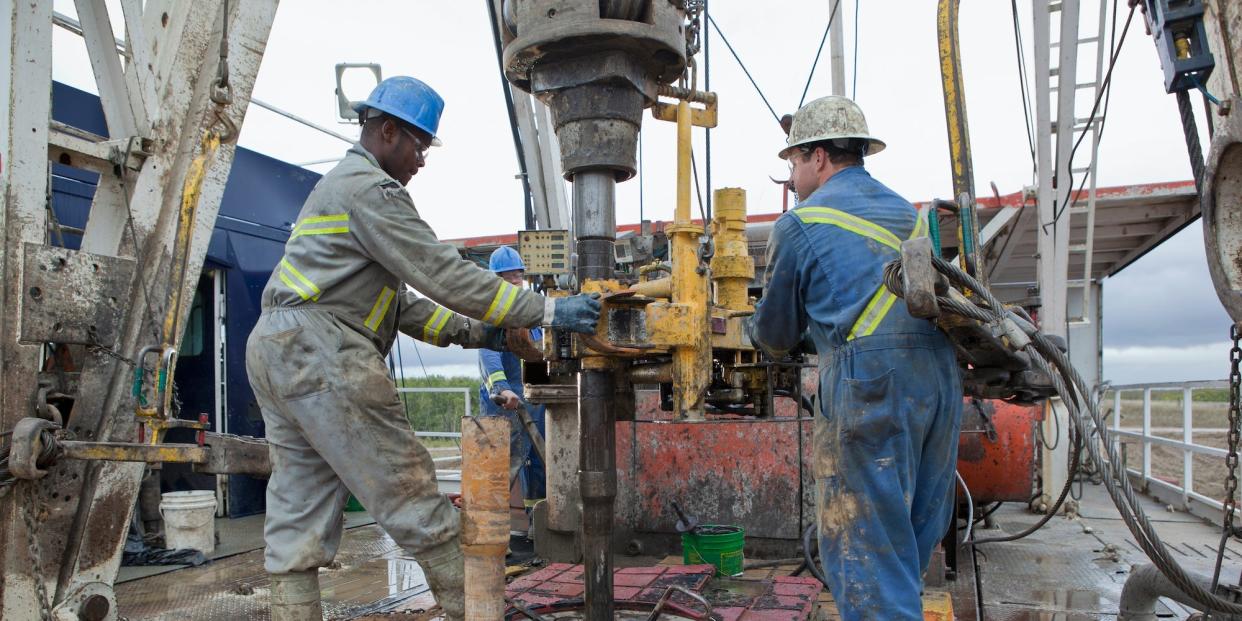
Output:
(485, 514)
(551, 393)
(1222, 225)
(32, 448)
(73, 296)
(232, 454)
(996, 451)
(521, 344)
(663, 601)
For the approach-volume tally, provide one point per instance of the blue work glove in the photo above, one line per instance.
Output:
(577, 313)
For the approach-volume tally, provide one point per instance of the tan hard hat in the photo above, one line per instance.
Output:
(829, 118)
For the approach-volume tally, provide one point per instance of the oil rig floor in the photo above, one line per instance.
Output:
(1071, 570)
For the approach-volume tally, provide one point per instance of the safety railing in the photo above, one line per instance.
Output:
(448, 477)
(1177, 437)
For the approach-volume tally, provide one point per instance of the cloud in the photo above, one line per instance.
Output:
(1165, 299)
(1145, 364)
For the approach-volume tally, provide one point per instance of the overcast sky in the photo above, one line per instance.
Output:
(1162, 319)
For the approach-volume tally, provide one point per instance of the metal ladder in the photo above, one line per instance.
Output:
(1092, 89)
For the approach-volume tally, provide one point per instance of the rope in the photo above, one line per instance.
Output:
(1095, 109)
(854, 74)
(831, 16)
(776, 117)
(1091, 430)
(1191, 131)
(1022, 81)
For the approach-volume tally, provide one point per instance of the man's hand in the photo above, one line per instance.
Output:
(455, 499)
(577, 313)
(511, 400)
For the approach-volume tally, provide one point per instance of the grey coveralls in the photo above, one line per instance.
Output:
(331, 311)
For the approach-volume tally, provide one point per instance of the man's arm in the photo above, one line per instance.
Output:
(495, 379)
(393, 235)
(780, 316)
(429, 322)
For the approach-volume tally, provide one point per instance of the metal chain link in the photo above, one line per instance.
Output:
(1235, 404)
(694, 9)
(34, 550)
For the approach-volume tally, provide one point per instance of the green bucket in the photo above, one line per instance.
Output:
(715, 544)
(353, 505)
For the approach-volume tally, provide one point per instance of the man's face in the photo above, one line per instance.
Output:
(803, 172)
(513, 277)
(407, 150)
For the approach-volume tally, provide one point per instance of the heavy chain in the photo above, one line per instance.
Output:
(694, 9)
(1235, 403)
(34, 550)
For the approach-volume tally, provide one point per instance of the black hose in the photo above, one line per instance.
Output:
(812, 532)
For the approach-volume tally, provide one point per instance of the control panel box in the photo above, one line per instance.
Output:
(545, 252)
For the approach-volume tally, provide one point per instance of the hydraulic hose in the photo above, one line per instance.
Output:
(1091, 430)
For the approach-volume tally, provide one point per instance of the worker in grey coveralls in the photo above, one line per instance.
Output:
(331, 312)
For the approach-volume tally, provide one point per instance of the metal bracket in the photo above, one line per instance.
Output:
(70, 296)
(27, 446)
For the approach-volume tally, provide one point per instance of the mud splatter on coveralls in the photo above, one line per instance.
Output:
(889, 392)
(331, 311)
(503, 371)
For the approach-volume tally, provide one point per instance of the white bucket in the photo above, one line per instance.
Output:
(189, 520)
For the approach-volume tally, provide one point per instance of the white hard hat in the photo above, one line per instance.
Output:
(829, 118)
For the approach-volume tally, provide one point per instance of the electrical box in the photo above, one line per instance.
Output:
(545, 252)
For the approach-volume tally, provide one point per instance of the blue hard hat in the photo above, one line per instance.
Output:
(408, 99)
(505, 259)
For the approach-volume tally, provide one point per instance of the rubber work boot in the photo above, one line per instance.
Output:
(295, 596)
(445, 568)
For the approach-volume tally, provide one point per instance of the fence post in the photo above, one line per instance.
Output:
(1188, 460)
(1146, 437)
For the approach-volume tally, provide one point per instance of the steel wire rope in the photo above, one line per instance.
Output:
(1106, 87)
(854, 74)
(1047, 357)
(776, 117)
(1022, 84)
(831, 16)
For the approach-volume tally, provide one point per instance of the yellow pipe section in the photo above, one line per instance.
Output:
(732, 267)
(185, 232)
(485, 514)
(691, 362)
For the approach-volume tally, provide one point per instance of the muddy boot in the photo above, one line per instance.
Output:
(445, 569)
(295, 596)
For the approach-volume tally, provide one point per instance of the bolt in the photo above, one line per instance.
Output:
(95, 608)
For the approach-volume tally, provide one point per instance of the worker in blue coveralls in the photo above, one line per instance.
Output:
(890, 393)
(502, 376)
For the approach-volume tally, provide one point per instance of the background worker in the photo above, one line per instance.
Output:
(890, 394)
(331, 312)
(502, 376)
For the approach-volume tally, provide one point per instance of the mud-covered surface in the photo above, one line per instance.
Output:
(370, 573)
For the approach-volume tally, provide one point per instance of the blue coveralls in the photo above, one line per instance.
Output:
(889, 391)
(503, 371)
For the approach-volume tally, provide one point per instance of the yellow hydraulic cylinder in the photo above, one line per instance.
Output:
(732, 267)
(485, 514)
(691, 362)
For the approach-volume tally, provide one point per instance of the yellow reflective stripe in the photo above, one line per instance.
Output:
(849, 222)
(332, 231)
(496, 376)
(431, 329)
(289, 283)
(501, 303)
(379, 309)
(881, 301)
(306, 283)
(301, 229)
(920, 223)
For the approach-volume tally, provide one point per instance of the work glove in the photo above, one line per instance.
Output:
(577, 313)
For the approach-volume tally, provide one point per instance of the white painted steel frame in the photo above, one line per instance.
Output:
(1182, 495)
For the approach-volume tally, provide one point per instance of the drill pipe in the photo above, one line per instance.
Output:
(485, 514)
(595, 222)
